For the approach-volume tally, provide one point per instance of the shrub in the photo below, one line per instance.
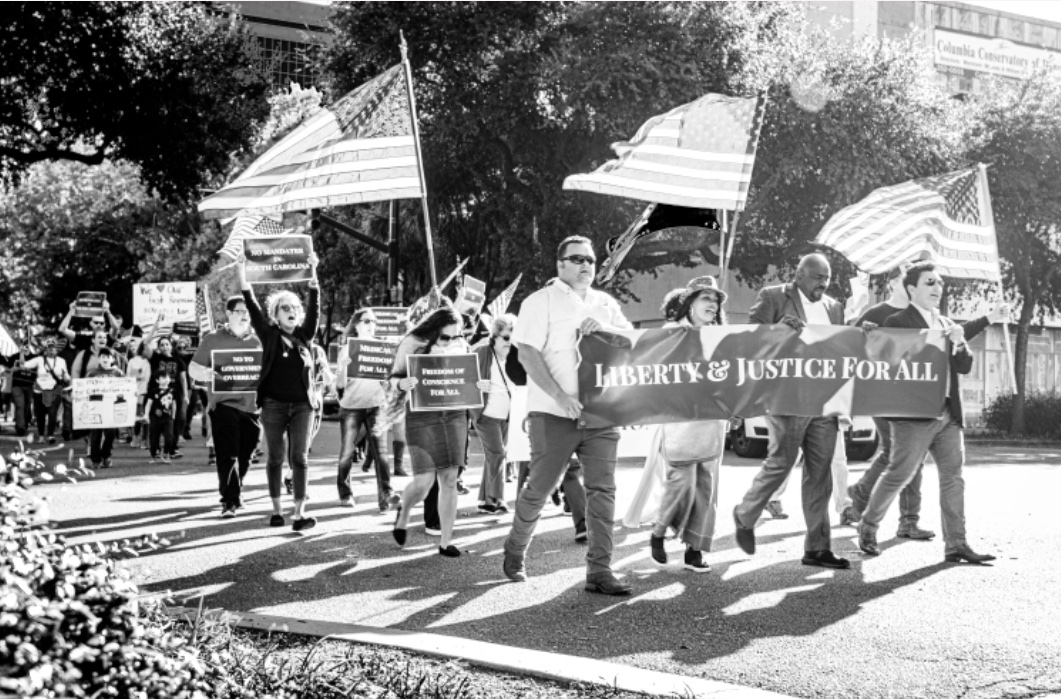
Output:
(1042, 414)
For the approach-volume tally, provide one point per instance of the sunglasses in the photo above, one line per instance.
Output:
(506, 338)
(579, 259)
(367, 321)
(443, 337)
(288, 308)
(933, 282)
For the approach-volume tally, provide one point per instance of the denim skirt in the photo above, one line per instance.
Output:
(436, 439)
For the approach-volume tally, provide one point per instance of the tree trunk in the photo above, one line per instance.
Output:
(1020, 365)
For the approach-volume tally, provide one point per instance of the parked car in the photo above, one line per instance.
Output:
(750, 440)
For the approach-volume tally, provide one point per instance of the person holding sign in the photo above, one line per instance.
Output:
(234, 419)
(359, 407)
(286, 393)
(52, 378)
(436, 438)
(82, 339)
(101, 441)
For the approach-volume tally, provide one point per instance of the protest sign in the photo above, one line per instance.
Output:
(189, 328)
(447, 381)
(675, 375)
(104, 402)
(272, 259)
(369, 359)
(236, 370)
(391, 322)
(89, 304)
(471, 297)
(175, 301)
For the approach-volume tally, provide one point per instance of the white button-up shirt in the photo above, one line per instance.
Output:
(815, 311)
(549, 321)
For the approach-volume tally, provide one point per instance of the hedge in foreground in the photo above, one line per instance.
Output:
(1042, 414)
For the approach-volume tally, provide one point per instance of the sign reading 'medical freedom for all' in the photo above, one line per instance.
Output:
(985, 54)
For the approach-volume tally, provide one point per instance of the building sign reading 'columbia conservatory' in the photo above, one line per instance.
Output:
(985, 54)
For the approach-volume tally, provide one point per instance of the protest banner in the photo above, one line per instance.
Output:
(391, 322)
(369, 359)
(472, 296)
(89, 304)
(175, 301)
(104, 402)
(272, 259)
(447, 381)
(656, 376)
(236, 370)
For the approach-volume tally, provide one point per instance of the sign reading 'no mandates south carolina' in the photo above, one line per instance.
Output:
(641, 377)
(273, 259)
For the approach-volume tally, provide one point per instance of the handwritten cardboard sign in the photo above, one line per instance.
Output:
(175, 301)
(236, 370)
(272, 259)
(104, 402)
(447, 381)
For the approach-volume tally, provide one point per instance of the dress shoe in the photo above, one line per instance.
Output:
(912, 531)
(745, 536)
(774, 508)
(606, 584)
(513, 568)
(450, 551)
(824, 559)
(849, 516)
(303, 523)
(867, 539)
(398, 532)
(346, 502)
(965, 554)
(276, 521)
(659, 554)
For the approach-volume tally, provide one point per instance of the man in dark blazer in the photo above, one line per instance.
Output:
(803, 302)
(942, 436)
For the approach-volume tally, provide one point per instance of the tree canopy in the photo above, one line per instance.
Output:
(162, 85)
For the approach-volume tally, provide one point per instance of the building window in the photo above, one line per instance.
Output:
(1016, 30)
(289, 62)
(987, 24)
(1035, 34)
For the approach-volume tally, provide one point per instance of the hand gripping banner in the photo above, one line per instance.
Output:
(640, 377)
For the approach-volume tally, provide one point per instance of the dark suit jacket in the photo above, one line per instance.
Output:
(775, 302)
(961, 362)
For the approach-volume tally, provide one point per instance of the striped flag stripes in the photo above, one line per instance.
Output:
(247, 227)
(698, 155)
(360, 149)
(203, 311)
(8, 346)
(499, 305)
(945, 218)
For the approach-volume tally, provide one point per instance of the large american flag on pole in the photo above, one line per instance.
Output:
(698, 155)
(499, 305)
(360, 149)
(945, 218)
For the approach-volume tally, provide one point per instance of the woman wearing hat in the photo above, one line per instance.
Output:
(692, 450)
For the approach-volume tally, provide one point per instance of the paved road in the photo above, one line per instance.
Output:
(904, 624)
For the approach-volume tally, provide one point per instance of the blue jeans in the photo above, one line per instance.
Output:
(294, 421)
(909, 497)
(350, 422)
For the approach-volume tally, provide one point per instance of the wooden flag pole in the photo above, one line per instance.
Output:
(729, 250)
(989, 215)
(419, 158)
(722, 247)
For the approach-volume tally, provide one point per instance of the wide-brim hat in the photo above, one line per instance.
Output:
(698, 284)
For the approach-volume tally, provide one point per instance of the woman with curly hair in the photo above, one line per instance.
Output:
(286, 392)
(435, 439)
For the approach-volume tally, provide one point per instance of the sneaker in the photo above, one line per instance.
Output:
(487, 509)
(461, 488)
(228, 511)
(580, 531)
(659, 554)
(694, 561)
(346, 502)
(176, 455)
(107, 463)
(145, 445)
(774, 508)
(303, 523)
(51, 440)
(165, 459)
(96, 465)
(501, 508)
(152, 460)
(432, 532)
(450, 551)
(276, 521)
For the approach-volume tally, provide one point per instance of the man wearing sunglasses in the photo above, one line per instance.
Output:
(942, 435)
(551, 322)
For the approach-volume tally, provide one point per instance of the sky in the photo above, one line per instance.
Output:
(1040, 9)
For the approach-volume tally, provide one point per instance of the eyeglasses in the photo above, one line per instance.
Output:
(288, 308)
(443, 337)
(240, 311)
(367, 321)
(579, 259)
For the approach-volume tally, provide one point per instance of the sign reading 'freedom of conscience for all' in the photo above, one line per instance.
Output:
(236, 371)
(447, 381)
(273, 259)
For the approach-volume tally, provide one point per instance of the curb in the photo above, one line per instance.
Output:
(517, 661)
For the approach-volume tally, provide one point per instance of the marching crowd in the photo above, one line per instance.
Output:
(568, 459)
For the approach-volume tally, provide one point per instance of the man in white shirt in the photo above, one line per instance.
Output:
(942, 435)
(551, 322)
(801, 303)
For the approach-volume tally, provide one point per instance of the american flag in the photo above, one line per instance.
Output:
(499, 305)
(8, 347)
(698, 155)
(360, 149)
(944, 217)
(246, 227)
(203, 311)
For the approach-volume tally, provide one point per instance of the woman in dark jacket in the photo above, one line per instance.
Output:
(286, 393)
(498, 364)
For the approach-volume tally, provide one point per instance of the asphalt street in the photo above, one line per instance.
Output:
(902, 625)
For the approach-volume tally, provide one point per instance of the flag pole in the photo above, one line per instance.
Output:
(989, 214)
(419, 158)
(729, 251)
(722, 245)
